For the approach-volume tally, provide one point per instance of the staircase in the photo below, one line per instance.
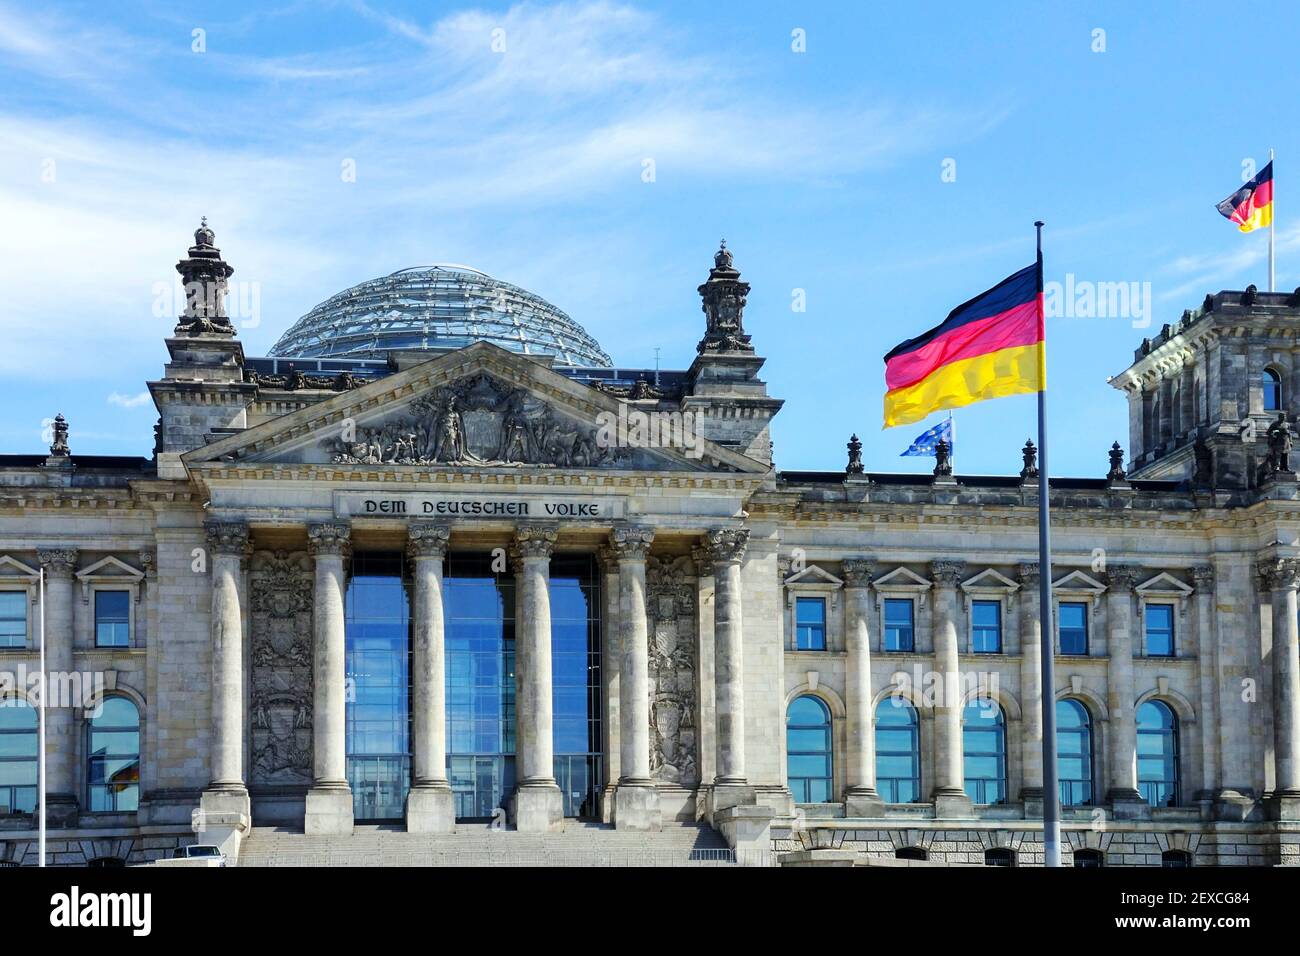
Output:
(477, 844)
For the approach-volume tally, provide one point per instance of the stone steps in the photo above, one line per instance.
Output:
(579, 844)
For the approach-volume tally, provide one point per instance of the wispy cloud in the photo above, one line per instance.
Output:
(129, 401)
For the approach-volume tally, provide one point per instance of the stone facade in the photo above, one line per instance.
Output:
(235, 542)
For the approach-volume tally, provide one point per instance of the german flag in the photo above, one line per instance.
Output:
(1251, 206)
(988, 347)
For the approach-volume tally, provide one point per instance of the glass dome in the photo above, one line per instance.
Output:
(436, 308)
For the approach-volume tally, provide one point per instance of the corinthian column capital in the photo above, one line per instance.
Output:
(1121, 577)
(57, 562)
(947, 573)
(228, 537)
(631, 543)
(427, 539)
(1028, 574)
(1203, 577)
(534, 541)
(329, 539)
(726, 545)
(858, 572)
(1281, 574)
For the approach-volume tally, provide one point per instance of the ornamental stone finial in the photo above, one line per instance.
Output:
(59, 447)
(228, 537)
(723, 298)
(329, 538)
(727, 545)
(57, 562)
(1030, 455)
(942, 459)
(1116, 472)
(204, 274)
(1121, 577)
(947, 573)
(855, 457)
(631, 543)
(1027, 573)
(534, 541)
(428, 539)
(858, 572)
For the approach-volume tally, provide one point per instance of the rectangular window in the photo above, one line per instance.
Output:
(986, 627)
(810, 624)
(900, 634)
(1073, 627)
(13, 618)
(1160, 630)
(112, 618)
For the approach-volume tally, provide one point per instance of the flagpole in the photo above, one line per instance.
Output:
(1272, 224)
(1051, 788)
(40, 744)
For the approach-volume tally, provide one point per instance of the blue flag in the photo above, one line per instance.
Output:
(924, 443)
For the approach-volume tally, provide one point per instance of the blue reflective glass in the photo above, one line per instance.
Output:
(810, 624)
(13, 618)
(18, 761)
(377, 630)
(1160, 630)
(984, 744)
(112, 618)
(808, 750)
(113, 763)
(986, 627)
(1074, 752)
(898, 751)
(1157, 749)
(899, 630)
(1072, 625)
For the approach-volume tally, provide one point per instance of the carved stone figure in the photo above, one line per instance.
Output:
(281, 595)
(1280, 443)
(670, 603)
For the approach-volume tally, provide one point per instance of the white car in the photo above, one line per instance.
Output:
(201, 851)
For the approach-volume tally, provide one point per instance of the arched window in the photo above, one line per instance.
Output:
(1074, 752)
(898, 751)
(1175, 859)
(1157, 754)
(999, 856)
(1272, 383)
(910, 853)
(808, 750)
(984, 744)
(113, 773)
(1089, 858)
(18, 767)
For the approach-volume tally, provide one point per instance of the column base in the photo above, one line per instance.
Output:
(1126, 804)
(607, 803)
(1233, 806)
(538, 808)
(61, 810)
(730, 794)
(864, 802)
(329, 811)
(748, 831)
(1031, 800)
(949, 804)
(223, 819)
(1284, 805)
(430, 809)
(636, 807)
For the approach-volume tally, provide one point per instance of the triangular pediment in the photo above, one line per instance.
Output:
(814, 575)
(990, 580)
(108, 568)
(1079, 582)
(901, 579)
(11, 568)
(1163, 584)
(481, 407)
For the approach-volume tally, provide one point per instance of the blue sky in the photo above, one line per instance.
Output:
(824, 170)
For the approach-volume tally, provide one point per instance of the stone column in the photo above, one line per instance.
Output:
(1121, 697)
(609, 677)
(430, 807)
(224, 806)
(1282, 576)
(730, 786)
(1207, 669)
(1031, 690)
(60, 715)
(538, 805)
(637, 800)
(329, 801)
(860, 798)
(950, 799)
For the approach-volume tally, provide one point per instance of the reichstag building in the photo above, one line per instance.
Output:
(436, 563)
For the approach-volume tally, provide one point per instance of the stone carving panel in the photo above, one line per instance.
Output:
(280, 630)
(480, 421)
(670, 602)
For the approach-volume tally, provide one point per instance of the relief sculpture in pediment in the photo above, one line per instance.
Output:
(478, 421)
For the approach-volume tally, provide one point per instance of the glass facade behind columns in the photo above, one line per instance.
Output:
(479, 614)
(575, 682)
(378, 657)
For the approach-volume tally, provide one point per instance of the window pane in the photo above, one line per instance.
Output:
(1160, 630)
(808, 750)
(13, 618)
(1073, 627)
